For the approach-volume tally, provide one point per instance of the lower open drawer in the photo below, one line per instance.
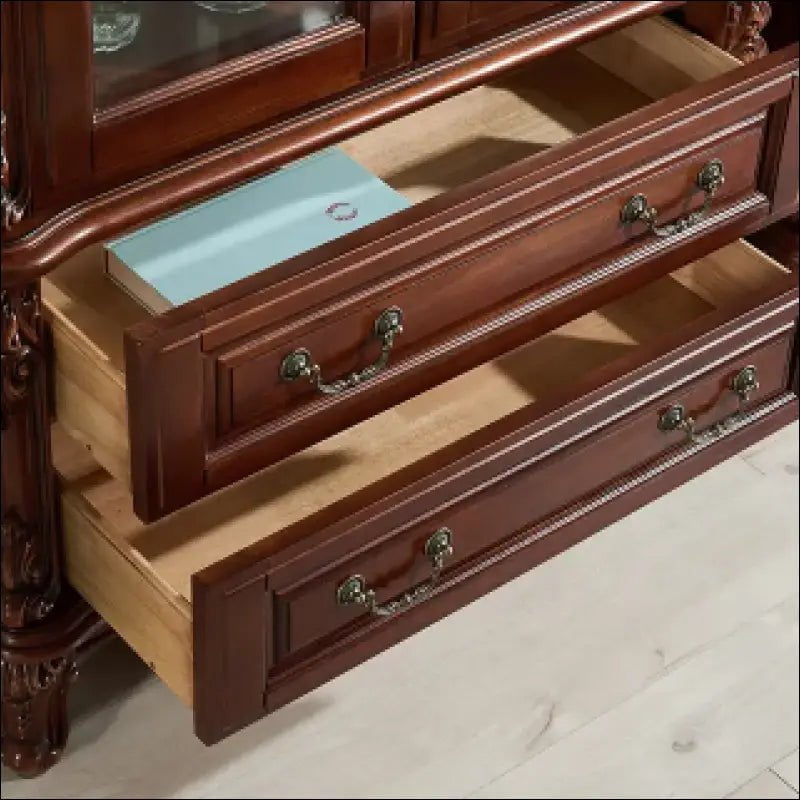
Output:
(246, 600)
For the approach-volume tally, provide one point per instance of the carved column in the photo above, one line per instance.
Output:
(32, 695)
(30, 574)
(734, 26)
(42, 623)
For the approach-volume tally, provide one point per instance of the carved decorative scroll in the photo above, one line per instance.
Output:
(733, 26)
(30, 553)
(38, 664)
(35, 725)
(746, 21)
(12, 205)
(43, 622)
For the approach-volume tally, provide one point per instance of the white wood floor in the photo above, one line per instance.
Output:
(657, 659)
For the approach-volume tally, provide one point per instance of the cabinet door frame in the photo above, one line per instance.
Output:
(73, 205)
(445, 25)
(83, 149)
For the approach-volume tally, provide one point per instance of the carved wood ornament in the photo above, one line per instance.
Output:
(35, 725)
(746, 21)
(41, 627)
(733, 26)
(29, 572)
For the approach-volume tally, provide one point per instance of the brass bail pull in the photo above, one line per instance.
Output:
(638, 209)
(355, 590)
(675, 418)
(300, 363)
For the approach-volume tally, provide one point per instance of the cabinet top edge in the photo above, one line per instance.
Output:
(127, 206)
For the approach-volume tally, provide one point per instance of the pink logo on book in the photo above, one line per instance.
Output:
(341, 212)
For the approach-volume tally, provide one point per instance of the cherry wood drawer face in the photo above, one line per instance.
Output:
(395, 561)
(235, 600)
(518, 247)
(250, 387)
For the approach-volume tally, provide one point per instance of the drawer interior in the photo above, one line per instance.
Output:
(543, 104)
(139, 576)
(423, 154)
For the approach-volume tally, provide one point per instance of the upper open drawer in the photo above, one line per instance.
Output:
(518, 224)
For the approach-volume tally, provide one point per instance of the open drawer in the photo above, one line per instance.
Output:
(519, 190)
(243, 602)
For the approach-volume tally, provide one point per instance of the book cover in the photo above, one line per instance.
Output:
(253, 227)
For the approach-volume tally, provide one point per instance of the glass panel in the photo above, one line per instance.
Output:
(142, 45)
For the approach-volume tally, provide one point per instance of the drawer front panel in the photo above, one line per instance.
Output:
(467, 268)
(531, 547)
(250, 388)
(310, 611)
(505, 487)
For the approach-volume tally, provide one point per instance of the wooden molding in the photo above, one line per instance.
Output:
(117, 208)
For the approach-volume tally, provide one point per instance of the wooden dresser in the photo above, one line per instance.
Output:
(591, 298)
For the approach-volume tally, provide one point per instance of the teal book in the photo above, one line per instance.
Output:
(249, 229)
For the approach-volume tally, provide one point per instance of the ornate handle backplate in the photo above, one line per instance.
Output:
(300, 363)
(744, 384)
(355, 591)
(637, 209)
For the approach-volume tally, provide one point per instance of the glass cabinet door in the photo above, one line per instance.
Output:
(170, 79)
(141, 46)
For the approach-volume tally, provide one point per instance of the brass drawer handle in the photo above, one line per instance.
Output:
(354, 591)
(744, 384)
(300, 363)
(709, 179)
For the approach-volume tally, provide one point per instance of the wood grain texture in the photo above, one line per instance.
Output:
(155, 623)
(688, 746)
(117, 578)
(636, 54)
(501, 224)
(243, 593)
(43, 622)
(234, 97)
(443, 27)
(390, 33)
(402, 435)
(93, 218)
(250, 391)
(306, 611)
(283, 567)
(89, 365)
(170, 552)
(613, 635)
